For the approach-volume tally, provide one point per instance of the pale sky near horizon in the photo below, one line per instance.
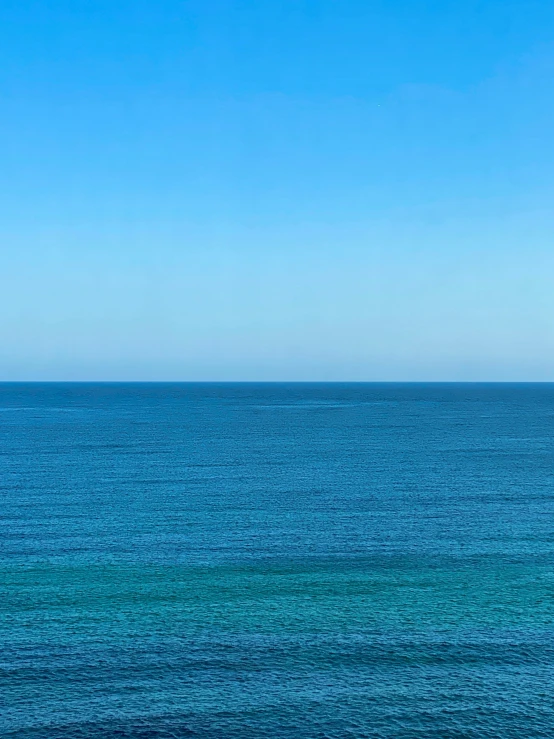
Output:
(293, 190)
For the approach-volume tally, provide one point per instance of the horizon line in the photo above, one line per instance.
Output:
(276, 382)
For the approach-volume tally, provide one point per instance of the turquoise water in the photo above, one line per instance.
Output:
(253, 561)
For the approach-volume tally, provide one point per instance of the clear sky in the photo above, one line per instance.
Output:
(277, 190)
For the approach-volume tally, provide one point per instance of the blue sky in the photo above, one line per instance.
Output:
(291, 190)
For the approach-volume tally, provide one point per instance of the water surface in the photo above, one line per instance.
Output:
(297, 561)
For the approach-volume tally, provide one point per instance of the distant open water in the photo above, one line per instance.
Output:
(296, 561)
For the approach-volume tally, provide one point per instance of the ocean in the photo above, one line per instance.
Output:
(305, 561)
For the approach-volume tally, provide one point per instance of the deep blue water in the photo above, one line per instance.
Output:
(296, 561)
